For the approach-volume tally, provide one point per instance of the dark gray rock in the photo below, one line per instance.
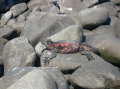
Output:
(18, 9)
(33, 3)
(17, 73)
(41, 25)
(7, 32)
(97, 74)
(93, 17)
(1, 1)
(18, 52)
(67, 6)
(5, 18)
(66, 62)
(89, 3)
(108, 45)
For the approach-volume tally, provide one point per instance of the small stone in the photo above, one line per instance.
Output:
(50, 8)
(7, 32)
(5, 18)
(18, 9)
(67, 6)
(33, 3)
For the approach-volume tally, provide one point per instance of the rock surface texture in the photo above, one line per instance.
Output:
(71, 28)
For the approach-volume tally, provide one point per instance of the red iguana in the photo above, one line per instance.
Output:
(67, 47)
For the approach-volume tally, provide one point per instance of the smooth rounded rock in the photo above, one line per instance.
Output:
(33, 3)
(93, 17)
(108, 46)
(96, 75)
(66, 62)
(89, 3)
(7, 32)
(67, 6)
(17, 73)
(18, 9)
(5, 18)
(104, 29)
(41, 25)
(18, 52)
(73, 32)
(28, 81)
(112, 9)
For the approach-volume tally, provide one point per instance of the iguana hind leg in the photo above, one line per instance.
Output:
(88, 55)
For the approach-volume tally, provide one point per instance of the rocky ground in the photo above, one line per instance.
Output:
(24, 23)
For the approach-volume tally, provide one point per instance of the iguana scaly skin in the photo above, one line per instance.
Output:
(67, 47)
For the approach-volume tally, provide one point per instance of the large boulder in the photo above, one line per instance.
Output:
(97, 74)
(18, 52)
(41, 25)
(66, 62)
(18, 73)
(92, 17)
(104, 29)
(28, 81)
(73, 32)
(108, 45)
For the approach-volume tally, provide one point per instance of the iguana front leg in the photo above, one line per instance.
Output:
(88, 54)
(47, 59)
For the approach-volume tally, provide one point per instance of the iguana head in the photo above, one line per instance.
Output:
(48, 43)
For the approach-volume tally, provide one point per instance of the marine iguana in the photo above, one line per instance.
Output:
(67, 47)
